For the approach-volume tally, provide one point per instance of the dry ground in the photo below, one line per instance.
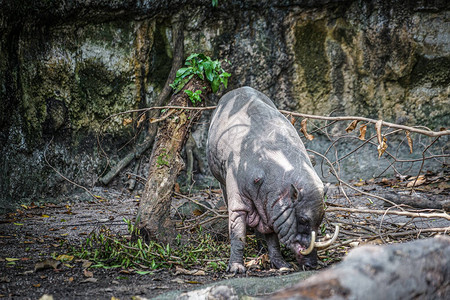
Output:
(33, 238)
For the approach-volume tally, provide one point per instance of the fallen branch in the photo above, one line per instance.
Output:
(125, 161)
(390, 212)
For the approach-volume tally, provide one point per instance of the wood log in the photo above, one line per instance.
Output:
(414, 270)
(153, 215)
(419, 201)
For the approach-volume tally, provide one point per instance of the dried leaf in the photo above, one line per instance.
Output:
(141, 119)
(179, 270)
(193, 282)
(127, 121)
(197, 212)
(416, 181)
(46, 264)
(304, 131)
(382, 147)
(86, 264)
(260, 261)
(292, 119)
(177, 187)
(378, 126)
(87, 273)
(65, 257)
(410, 142)
(352, 126)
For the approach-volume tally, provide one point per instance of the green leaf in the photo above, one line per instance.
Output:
(181, 71)
(208, 71)
(144, 272)
(215, 85)
(190, 57)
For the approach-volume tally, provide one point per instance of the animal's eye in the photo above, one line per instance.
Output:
(304, 224)
(302, 220)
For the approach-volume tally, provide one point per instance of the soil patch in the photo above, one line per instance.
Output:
(34, 238)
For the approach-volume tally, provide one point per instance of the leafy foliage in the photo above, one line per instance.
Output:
(202, 66)
(194, 96)
(107, 250)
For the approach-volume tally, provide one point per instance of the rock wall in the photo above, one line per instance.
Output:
(67, 65)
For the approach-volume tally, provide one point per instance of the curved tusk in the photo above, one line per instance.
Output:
(311, 245)
(329, 242)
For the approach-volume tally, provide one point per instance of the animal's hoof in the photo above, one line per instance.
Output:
(236, 268)
(279, 263)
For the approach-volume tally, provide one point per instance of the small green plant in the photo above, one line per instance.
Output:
(161, 159)
(202, 66)
(323, 228)
(194, 96)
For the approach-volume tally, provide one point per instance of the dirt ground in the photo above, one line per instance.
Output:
(34, 235)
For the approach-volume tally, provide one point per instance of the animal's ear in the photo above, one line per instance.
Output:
(325, 189)
(296, 194)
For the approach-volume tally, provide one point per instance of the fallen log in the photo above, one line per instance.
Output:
(414, 270)
(419, 201)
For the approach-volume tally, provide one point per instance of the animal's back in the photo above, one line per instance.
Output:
(247, 125)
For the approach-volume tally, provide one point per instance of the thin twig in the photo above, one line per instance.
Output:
(423, 161)
(64, 177)
(348, 185)
(388, 124)
(390, 212)
(198, 203)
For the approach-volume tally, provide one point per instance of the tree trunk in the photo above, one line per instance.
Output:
(165, 164)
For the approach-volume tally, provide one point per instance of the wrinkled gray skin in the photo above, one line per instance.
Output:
(266, 176)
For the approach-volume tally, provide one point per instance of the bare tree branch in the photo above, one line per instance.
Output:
(388, 124)
(391, 212)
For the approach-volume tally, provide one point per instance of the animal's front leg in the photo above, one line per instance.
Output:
(276, 258)
(237, 228)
